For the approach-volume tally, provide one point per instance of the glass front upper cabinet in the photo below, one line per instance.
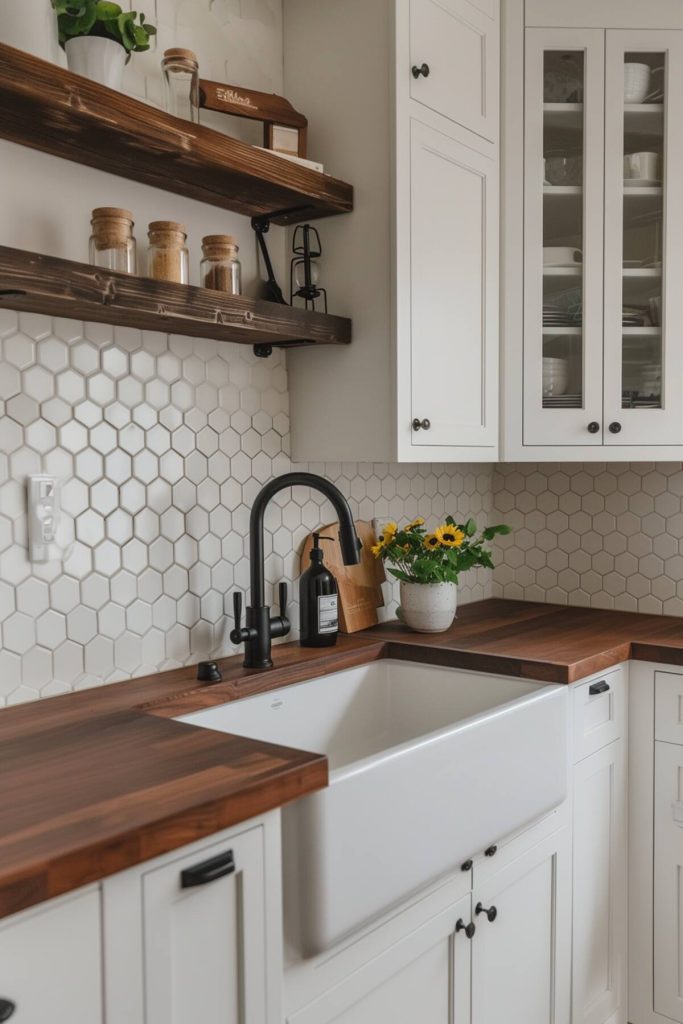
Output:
(564, 238)
(642, 218)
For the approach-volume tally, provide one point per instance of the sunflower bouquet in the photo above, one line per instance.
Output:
(417, 556)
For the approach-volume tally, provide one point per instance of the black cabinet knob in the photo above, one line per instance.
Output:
(593, 427)
(7, 1008)
(207, 672)
(491, 851)
(615, 428)
(466, 866)
(491, 912)
(422, 69)
(421, 424)
(468, 929)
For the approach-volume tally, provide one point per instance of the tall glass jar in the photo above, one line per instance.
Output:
(167, 256)
(220, 268)
(112, 243)
(181, 83)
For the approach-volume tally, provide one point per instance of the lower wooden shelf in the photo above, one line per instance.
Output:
(34, 283)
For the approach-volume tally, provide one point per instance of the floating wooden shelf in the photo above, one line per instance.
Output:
(33, 283)
(50, 109)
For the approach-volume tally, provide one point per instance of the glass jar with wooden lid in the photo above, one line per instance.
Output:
(220, 268)
(181, 83)
(167, 256)
(112, 243)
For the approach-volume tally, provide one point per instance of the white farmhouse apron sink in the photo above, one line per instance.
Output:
(428, 766)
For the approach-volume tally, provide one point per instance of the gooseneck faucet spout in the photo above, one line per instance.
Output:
(261, 628)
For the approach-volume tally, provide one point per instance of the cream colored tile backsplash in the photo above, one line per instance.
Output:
(162, 444)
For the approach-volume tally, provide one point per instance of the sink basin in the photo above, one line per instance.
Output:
(428, 766)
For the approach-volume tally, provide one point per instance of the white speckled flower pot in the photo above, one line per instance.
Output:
(428, 607)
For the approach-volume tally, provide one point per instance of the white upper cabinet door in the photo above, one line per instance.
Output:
(563, 240)
(454, 292)
(455, 55)
(600, 886)
(51, 962)
(643, 229)
(204, 935)
(521, 950)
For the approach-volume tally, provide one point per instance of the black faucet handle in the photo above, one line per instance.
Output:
(283, 594)
(280, 624)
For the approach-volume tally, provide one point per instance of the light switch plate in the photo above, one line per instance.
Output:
(43, 517)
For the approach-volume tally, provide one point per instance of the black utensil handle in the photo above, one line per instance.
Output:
(595, 688)
(208, 871)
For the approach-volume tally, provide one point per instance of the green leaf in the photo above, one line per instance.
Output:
(470, 528)
(107, 11)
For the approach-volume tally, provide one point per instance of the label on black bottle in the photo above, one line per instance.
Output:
(327, 614)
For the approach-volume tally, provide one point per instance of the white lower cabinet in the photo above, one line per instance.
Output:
(521, 949)
(51, 962)
(668, 880)
(196, 934)
(600, 946)
(424, 977)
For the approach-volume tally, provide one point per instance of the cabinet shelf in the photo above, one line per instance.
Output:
(45, 107)
(30, 282)
(641, 332)
(563, 115)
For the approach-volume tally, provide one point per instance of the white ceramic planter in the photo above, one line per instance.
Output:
(30, 25)
(428, 607)
(102, 60)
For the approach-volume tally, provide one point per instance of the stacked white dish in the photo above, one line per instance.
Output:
(555, 376)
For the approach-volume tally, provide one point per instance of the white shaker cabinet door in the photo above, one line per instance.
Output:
(454, 50)
(454, 291)
(521, 950)
(51, 962)
(204, 935)
(600, 886)
(668, 880)
(422, 979)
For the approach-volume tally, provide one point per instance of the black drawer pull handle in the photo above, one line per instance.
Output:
(207, 871)
(7, 1008)
(595, 688)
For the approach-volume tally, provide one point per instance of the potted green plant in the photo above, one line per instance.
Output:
(428, 566)
(99, 38)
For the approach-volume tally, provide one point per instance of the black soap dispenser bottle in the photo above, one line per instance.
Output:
(318, 601)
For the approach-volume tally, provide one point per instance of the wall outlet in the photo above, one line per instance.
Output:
(43, 518)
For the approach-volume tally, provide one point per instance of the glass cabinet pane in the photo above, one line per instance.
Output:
(563, 229)
(644, 189)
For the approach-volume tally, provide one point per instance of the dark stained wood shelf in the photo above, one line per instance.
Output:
(33, 283)
(48, 108)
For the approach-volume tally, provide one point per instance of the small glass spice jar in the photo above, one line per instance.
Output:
(167, 256)
(112, 244)
(181, 83)
(220, 268)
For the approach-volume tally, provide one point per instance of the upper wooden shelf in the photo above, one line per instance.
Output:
(33, 283)
(48, 108)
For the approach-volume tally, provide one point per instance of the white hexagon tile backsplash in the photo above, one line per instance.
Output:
(161, 444)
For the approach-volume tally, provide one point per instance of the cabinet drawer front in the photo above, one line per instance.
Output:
(456, 47)
(669, 707)
(205, 935)
(50, 962)
(510, 848)
(599, 713)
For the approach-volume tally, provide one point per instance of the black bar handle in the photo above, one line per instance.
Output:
(208, 871)
(595, 688)
(7, 1008)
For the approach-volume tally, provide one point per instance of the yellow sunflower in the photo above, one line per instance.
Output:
(388, 533)
(377, 549)
(450, 536)
(431, 541)
(419, 521)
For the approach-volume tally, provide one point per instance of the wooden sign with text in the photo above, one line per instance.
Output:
(284, 128)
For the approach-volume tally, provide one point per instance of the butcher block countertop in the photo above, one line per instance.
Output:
(97, 781)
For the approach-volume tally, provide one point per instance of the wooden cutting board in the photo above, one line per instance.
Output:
(360, 586)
